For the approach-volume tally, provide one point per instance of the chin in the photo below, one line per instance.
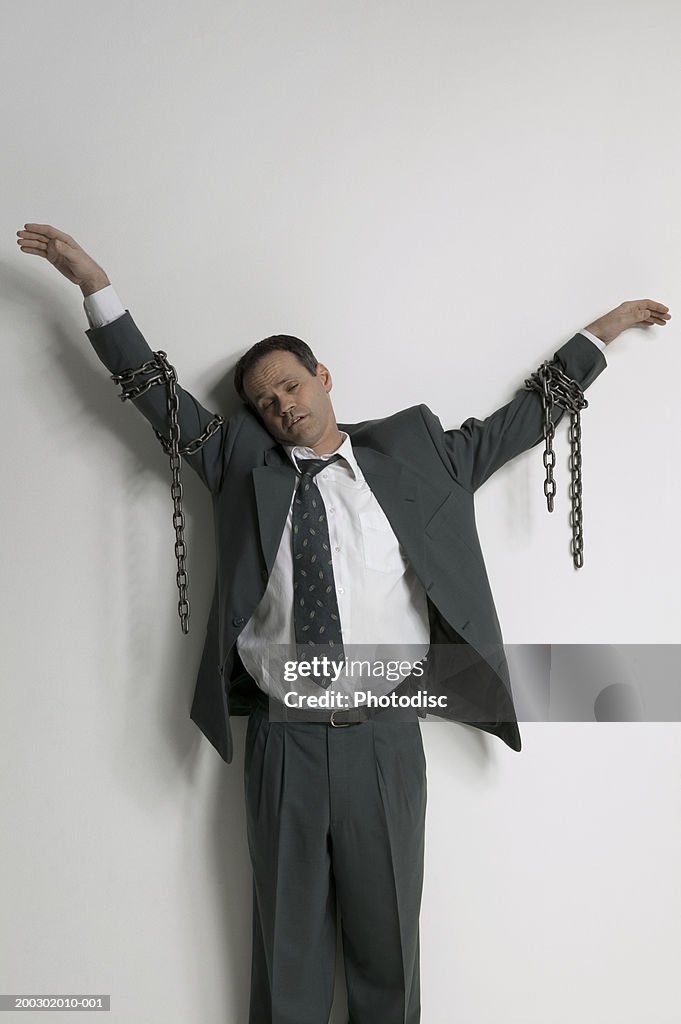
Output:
(300, 432)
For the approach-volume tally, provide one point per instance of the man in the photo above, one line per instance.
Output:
(350, 534)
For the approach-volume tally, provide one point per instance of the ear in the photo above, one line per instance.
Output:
(324, 374)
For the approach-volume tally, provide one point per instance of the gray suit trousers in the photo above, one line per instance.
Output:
(336, 822)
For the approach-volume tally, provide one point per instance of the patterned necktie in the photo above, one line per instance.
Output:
(315, 605)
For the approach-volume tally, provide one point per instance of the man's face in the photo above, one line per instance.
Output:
(284, 391)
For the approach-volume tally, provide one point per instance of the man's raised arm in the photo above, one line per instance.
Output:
(121, 347)
(479, 448)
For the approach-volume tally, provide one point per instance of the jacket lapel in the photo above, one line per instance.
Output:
(273, 484)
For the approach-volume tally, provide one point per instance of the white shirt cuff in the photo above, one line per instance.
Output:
(592, 337)
(103, 306)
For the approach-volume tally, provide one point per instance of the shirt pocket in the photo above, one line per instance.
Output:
(380, 546)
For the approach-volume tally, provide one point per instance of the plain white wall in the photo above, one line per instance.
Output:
(435, 196)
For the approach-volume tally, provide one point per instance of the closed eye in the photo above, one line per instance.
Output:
(291, 387)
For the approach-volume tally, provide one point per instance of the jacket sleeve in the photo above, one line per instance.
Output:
(121, 346)
(479, 448)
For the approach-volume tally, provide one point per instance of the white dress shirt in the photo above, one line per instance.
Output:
(381, 601)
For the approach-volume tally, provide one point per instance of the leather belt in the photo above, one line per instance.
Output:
(335, 717)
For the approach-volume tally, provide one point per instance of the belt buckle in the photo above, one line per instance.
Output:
(339, 725)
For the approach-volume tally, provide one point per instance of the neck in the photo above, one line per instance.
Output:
(329, 444)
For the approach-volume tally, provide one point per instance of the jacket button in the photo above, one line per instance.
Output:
(264, 574)
(238, 620)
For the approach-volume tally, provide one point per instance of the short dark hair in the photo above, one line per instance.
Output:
(276, 342)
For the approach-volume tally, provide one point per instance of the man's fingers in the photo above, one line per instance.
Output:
(34, 252)
(647, 311)
(48, 231)
(33, 246)
(654, 319)
(652, 307)
(32, 243)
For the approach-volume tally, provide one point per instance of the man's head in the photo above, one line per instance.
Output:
(280, 379)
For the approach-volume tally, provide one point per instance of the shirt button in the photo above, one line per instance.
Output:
(337, 547)
(340, 590)
(332, 509)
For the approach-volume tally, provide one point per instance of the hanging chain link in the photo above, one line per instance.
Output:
(556, 388)
(165, 374)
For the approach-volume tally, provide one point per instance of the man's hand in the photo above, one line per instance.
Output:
(634, 313)
(64, 253)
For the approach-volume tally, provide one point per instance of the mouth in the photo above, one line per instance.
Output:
(295, 421)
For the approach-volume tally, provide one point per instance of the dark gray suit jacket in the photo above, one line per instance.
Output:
(424, 478)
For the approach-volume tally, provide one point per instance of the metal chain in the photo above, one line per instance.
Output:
(555, 387)
(165, 374)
